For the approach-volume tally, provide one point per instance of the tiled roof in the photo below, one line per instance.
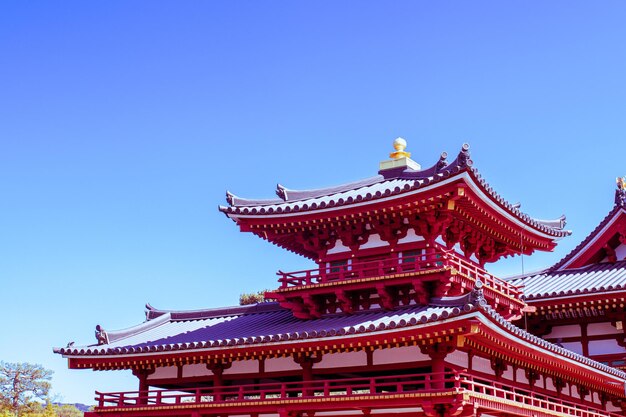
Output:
(181, 330)
(387, 183)
(268, 322)
(592, 278)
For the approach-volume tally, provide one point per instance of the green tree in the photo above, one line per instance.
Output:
(21, 385)
(67, 410)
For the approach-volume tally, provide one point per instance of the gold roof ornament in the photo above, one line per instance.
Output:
(621, 182)
(400, 158)
(399, 145)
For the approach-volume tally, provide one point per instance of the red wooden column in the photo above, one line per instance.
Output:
(306, 361)
(438, 353)
(142, 375)
(218, 367)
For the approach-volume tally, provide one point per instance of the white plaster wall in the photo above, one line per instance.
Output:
(411, 237)
(550, 385)
(596, 398)
(198, 369)
(601, 347)
(620, 251)
(508, 374)
(164, 372)
(482, 365)
(572, 330)
(594, 329)
(611, 408)
(243, 367)
(574, 347)
(458, 358)
(539, 382)
(281, 364)
(399, 355)
(521, 377)
(338, 360)
(338, 248)
(374, 242)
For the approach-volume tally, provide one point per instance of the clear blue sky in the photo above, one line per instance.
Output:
(123, 123)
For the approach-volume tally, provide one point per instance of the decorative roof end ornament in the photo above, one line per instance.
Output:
(476, 298)
(101, 336)
(620, 192)
(464, 156)
(401, 159)
(230, 198)
(281, 192)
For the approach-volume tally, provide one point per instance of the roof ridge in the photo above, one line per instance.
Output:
(153, 313)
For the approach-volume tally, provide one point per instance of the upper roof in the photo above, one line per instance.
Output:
(388, 183)
(449, 200)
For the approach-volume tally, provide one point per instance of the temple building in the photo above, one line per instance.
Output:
(397, 315)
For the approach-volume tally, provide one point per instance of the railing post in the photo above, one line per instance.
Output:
(120, 400)
(158, 397)
(197, 395)
(372, 386)
(326, 389)
(240, 393)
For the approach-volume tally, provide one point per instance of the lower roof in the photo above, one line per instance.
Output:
(266, 323)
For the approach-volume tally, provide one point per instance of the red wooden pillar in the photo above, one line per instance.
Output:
(438, 353)
(142, 375)
(218, 367)
(306, 361)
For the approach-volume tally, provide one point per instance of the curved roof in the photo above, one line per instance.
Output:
(166, 331)
(389, 183)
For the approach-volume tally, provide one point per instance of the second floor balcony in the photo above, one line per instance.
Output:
(395, 279)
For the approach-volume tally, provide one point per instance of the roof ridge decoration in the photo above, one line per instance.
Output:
(267, 306)
(469, 301)
(620, 192)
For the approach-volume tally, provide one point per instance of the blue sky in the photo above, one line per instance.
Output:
(122, 125)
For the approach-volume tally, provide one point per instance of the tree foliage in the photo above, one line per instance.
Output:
(252, 298)
(21, 385)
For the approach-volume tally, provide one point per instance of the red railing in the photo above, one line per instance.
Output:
(490, 393)
(285, 390)
(436, 259)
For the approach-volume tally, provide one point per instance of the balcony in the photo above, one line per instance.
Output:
(400, 273)
(456, 389)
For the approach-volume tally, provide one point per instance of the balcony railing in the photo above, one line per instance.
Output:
(488, 392)
(437, 258)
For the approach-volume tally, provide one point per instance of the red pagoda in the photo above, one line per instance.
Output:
(398, 317)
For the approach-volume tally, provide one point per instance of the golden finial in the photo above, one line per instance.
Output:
(399, 145)
(621, 183)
